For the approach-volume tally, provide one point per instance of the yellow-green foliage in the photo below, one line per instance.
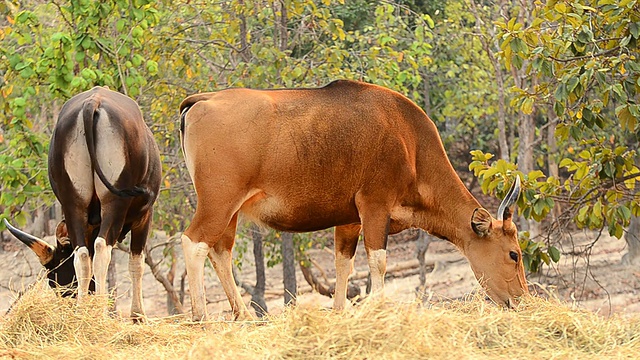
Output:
(42, 325)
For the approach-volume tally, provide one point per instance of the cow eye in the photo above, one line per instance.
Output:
(513, 255)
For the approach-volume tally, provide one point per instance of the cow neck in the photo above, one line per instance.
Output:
(452, 206)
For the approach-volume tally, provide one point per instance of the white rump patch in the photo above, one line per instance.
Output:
(109, 152)
(77, 163)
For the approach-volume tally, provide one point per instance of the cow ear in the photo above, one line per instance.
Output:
(481, 221)
(62, 234)
(507, 224)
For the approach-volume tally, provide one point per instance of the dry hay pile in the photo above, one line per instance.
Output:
(41, 325)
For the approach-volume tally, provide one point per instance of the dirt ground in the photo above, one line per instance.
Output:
(605, 286)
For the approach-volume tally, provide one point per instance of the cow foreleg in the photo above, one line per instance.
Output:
(101, 259)
(82, 265)
(375, 228)
(194, 257)
(346, 241)
(377, 260)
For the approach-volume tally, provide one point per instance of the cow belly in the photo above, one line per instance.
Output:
(281, 215)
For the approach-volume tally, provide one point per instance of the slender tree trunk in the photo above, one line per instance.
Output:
(551, 158)
(289, 269)
(632, 257)
(112, 289)
(168, 286)
(422, 245)
(527, 131)
(490, 47)
(257, 296)
(171, 275)
(426, 93)
(245, 52)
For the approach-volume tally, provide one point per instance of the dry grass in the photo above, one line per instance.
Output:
(42, 325)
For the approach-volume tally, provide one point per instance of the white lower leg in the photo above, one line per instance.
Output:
(194, 257)
(82, 265)
(344, 267)
(101, 260)
(222, 263)
(136, 270)
(378, 267)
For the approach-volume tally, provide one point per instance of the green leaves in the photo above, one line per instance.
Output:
(534, 253)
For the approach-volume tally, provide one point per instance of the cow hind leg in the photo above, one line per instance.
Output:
(82, 265)
(139, 234)
(195, 254)
(101, 260)
(110, 229)
(221, 258)
(346, 241)
(78, 229)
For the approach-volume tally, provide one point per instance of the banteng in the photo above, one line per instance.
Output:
(352, 155)
(104, 168)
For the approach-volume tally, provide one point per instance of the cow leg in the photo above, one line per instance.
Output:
(113, 214)
(139, 234)
(101, 259)
(194, 257)
(77, 227)
(221, 257)
(82, 264)
(214, 222)
(375, 229)
(346, 241)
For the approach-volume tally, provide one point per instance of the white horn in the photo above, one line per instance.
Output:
(510, 199)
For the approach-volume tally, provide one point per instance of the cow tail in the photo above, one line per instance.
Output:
(90, 117)
(184, 108)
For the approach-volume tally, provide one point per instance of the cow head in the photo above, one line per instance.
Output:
(495, 256)
(58, 260)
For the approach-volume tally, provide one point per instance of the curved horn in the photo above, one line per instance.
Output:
(43, 250)
(510, 199)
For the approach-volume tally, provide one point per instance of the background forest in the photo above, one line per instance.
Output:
(546, 90)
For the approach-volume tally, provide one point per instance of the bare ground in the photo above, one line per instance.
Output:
(605, 286)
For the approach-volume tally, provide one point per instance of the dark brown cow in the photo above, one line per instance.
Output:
(104, 168)
(351, 155)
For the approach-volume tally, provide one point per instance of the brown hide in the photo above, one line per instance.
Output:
(350, 155)
(104, 168)
(128, 203)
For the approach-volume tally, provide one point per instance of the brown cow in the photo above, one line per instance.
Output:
(104, 168)
(351, 155)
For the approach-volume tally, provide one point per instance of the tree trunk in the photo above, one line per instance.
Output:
(552, 152)
(288, 269)
(257, 296)
(491, 50)
(527, 131)
(632, 257)
(168, 286)
(422, 245)
(39, 227)
(112, 290)
(172, 309)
